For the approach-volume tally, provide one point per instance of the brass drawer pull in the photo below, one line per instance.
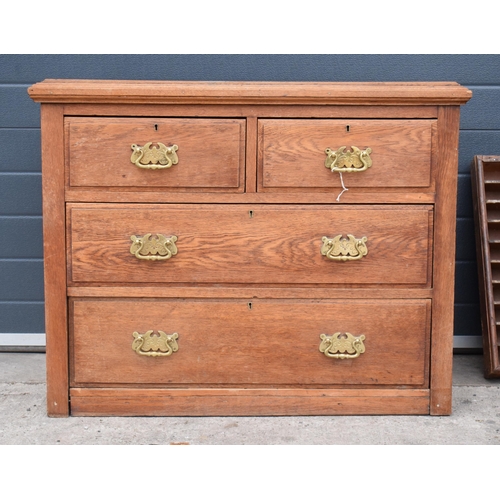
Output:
(356, 160)
(154, 157)
(334, 346)
(150, 344)
(158, 248)
(340, 248)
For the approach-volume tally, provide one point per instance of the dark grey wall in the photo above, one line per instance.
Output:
(21, 268)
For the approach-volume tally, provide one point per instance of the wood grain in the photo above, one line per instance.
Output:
(486, 168)
(320, 93)
(138, 402)
(444, 261)
(248, 343)
(252, 110)
(217, 291)
(54, 233)
(251, 157)
(211, 152)
(319, 196)
(224, 244)
(293, 152)
(249, 147)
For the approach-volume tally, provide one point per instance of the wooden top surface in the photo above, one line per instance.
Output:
(189, 92)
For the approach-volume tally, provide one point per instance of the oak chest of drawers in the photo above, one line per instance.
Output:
(249, 248)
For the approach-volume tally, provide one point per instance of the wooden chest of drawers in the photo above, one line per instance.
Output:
(249, 248)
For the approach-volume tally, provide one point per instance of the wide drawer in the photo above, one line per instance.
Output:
(234, 342)
(132, 152)
(293, 153)
(127, 244)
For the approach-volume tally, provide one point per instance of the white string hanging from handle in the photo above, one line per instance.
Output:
(344, 189)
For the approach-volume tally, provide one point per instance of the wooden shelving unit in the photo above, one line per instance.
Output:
(485, 176)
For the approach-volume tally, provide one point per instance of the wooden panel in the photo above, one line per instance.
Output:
(444, 261)
(250, 244)
(54, 233)
(114, 195)
(251, 159)
(292, 152)
(251, 291)
(211, 152)
(244, 92)
(214, 402)
(251, 110)
(258, 342)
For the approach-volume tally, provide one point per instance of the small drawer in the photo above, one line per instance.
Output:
(176, 343)
(173, 154)
(309, 154)
(256, 244)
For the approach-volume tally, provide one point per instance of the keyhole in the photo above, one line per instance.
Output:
(250, 213)
(156, 126)
(249, 306)
(347, 129)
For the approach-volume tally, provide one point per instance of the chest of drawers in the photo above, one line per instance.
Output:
(249, 248)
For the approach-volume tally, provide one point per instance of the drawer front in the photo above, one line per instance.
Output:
(107, 152)
(292, 153)
(273, 342)
(257, 244)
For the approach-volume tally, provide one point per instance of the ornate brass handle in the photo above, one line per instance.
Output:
(348, 161)
(154, 157)
(150, 344)
(340, 248)
(159, 248)
(334, 346)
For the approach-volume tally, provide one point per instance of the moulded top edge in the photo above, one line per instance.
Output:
(241, 92)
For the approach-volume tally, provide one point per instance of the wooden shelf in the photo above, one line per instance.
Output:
(485, 176)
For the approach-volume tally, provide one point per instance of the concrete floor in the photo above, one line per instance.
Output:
(475, 419)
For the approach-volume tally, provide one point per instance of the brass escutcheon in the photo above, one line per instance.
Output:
(356, 160)
(158, 248)
(340, 248)
(151, 344)
(336, 345)
(154, 157)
